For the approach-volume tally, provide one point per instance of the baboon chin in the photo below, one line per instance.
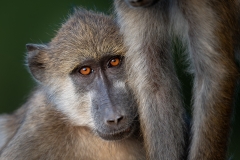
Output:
(118, 133)
(82, 99)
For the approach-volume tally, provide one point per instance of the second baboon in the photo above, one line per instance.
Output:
(210, 29)
(82, 108)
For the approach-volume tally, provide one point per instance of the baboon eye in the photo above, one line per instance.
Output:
(85, 70)
(114, 62)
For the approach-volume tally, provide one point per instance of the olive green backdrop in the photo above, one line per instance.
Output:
(27, 21)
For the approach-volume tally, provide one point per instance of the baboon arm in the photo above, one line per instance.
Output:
(212, 50)
(153, 78)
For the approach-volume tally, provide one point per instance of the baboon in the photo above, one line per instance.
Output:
(82, 107)
(210, 30)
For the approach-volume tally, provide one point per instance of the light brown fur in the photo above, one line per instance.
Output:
(57, 120)
(45, 133)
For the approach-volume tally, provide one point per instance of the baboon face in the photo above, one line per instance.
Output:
(112, 105)
(141, 3)
(82, 72)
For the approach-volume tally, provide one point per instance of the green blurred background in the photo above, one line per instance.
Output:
(26, 21)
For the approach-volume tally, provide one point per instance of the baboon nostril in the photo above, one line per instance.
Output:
(119, 119)
(115, 120)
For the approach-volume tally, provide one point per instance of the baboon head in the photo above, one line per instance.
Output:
(83, 75)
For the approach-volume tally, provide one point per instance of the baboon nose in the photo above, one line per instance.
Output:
(114, 121)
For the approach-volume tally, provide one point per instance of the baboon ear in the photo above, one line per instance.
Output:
(37, 60)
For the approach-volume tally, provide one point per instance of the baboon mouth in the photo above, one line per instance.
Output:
(118, 135)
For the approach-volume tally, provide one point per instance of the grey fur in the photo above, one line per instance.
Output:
(209, 28)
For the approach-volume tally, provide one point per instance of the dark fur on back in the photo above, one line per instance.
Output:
(209, 28)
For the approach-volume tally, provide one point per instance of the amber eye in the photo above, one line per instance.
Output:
(85, 70)
(114, 62)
